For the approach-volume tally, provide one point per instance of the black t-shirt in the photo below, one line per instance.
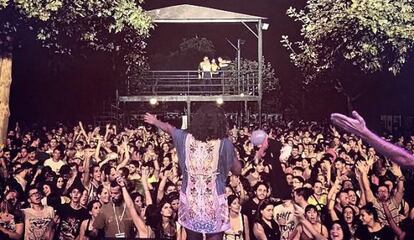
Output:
(385, 233)
(292, 160)
(250, 209)
(270, 232)
(280, 187)
(70, 221)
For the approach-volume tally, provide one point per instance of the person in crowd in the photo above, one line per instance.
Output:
(39, 220)
(265, 227)
(313, 216)
(318, 198)
(20, 181)
(383, 196)
(50, 195)
(371, 227)
(269, 150)
(141, 229)
(11, 221)
(114, 219)
(103, 194)
(86, 228)
(56, 161)
(239, 222)
(250, 208)
(71, 215)
(206, 156)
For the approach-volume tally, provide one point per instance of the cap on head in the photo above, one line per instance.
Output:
(258, 137)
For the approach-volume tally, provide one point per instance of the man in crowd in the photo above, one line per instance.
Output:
(71, 215)
(39, 220)
(114, 219)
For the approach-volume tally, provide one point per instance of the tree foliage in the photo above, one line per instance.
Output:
(270, 81)
(187, 56)
(64, 25)
(370, 35)
(271, 84)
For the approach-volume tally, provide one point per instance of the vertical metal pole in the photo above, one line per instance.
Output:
(188, 112)
(117, 97)
(259, 56)
(238, 65)
(246, 114)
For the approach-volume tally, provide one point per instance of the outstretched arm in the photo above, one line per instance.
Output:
(152, 119)
(137, 220)
(306, 224)
(357, 126)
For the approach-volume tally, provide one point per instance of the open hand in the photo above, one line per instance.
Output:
(355, 125)
(150, 118)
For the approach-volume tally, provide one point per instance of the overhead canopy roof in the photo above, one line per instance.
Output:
(187, 13)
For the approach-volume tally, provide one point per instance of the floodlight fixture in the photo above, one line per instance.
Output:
(265, 26)
(153, 101)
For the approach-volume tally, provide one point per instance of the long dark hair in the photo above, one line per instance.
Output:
(208, 123)
(344, 227)
(369, 208)
(262, 206)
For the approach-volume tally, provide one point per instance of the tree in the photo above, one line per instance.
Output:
(188, 54)
(65, 26)
(341, 40)
(271, 84)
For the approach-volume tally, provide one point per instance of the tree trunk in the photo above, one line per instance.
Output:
(5, 82)
(349, 105)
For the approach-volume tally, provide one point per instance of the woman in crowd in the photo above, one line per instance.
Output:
(265, 227)
(313, 216)
(60, 184)
(339, 231)
(86, 226)
(161, 220)
(371, 228)
(50, 197)
(103, 194)
(11, 222)
(239, 225)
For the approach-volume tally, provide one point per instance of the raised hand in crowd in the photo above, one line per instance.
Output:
(356, 125)
(142, 229)
(152, 119)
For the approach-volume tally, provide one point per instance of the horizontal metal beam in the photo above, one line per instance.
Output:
(184, 98)
(204, 20)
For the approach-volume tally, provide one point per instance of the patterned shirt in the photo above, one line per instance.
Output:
(205, 165)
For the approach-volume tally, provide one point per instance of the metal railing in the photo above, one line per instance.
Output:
(193, 83)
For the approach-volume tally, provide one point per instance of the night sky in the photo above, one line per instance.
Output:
(49, 87)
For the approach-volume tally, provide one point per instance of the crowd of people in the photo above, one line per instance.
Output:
(306, 181)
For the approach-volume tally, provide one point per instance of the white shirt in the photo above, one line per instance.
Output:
(54, 165)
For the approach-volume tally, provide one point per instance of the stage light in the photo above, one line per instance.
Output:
(153, 101)
(241, 94)
(219, 101)
(265, 26)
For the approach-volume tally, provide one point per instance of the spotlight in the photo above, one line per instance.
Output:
(265, 26)
(153, 101)
(219, 101)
